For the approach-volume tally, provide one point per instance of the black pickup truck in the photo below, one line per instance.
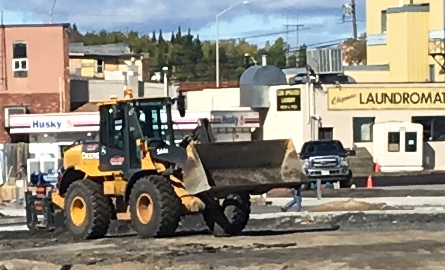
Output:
(326, 160)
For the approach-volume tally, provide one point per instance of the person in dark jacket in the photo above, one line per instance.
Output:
(296, 199)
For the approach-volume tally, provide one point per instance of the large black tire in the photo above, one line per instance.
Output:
(98, 211)
(158, 193)
(236, 208)
(347, 183)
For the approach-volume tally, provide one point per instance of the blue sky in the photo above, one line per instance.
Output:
(321, 18)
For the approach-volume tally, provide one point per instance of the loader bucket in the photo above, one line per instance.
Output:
(233, 167)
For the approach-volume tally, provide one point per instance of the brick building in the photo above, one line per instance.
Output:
(34, 72)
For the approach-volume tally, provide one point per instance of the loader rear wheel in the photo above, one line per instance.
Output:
(87, 209)
(154, 207)
(236, 208)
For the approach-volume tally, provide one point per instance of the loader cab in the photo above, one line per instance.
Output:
(126, 121)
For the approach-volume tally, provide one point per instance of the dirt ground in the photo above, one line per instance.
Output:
(405, 250)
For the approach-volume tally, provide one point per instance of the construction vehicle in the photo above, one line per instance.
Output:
(136, 173)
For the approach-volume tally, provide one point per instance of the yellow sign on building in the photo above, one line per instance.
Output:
(289, 99)
(388, 98)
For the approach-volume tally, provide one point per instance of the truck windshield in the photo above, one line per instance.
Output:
(324, 147)
(150, 120)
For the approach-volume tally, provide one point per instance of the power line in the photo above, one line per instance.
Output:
(297, 30)
(274, 33)
(321, 44)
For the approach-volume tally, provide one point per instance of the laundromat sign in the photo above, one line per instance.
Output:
(391, 98)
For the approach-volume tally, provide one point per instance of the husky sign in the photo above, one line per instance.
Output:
(46, 124)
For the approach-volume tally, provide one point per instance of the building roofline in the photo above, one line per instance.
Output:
(64, 25)
(83, 55)
(409, 8)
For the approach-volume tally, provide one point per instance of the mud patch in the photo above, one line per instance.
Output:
(349, 205)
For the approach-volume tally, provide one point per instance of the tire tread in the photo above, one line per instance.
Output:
(101, 218)
(170, 204)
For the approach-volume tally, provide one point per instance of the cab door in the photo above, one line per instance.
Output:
(113, 134)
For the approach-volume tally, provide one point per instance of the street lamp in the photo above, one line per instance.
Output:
(217, 36)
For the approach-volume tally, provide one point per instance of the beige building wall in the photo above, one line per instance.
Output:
(87, 67)
(398, 33)
(367, 76)
(287, 123)
(337, 106)
(213, 99)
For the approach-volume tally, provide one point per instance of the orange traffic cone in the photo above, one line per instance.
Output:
(369, 182)
(376, 167)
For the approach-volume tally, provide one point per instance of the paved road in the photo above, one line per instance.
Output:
(280, 250)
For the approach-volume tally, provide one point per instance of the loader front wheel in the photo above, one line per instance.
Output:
(154, 207)
(87, 209)
(236, 208)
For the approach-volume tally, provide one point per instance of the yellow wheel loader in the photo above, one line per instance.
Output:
(135, 172)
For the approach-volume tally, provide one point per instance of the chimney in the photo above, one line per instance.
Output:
(264, 60)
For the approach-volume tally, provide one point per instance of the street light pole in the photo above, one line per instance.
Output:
(217, 36)
(217, 51)
(51, 12)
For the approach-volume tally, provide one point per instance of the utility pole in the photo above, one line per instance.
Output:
(297, 30)
(287, 40)
(354, 19)
(350, 10)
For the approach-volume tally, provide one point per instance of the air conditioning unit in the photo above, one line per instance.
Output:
(10, 110)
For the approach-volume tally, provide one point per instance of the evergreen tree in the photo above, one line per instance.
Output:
(179, 34)
(153, 37)
(191, 59)
(173, 38)
(160, 38)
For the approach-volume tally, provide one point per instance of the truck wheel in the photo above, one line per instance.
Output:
(87, 210)
(236, 208)
(347, 183)
(154, 207)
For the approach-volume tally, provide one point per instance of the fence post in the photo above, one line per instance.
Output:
(17, 197)
(319, 189)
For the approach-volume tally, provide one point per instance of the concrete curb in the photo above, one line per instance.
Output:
(390, 201)
(354, 220)
(12, 221)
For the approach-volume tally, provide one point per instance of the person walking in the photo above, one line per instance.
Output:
(296, 199)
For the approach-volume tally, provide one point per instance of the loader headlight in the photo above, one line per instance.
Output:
(344, 162)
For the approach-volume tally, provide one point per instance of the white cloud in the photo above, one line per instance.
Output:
(148, 15)
(108, 13)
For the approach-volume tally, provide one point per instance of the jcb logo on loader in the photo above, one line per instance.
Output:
(88, 156)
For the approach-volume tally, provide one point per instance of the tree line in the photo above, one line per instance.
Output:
(191, 59)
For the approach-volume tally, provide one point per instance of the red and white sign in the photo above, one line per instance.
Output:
(54, 123)
(89, 122)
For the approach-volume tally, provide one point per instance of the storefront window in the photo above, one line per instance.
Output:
(433, 127)
(410, 142)
(362, 128)
(393, 141)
